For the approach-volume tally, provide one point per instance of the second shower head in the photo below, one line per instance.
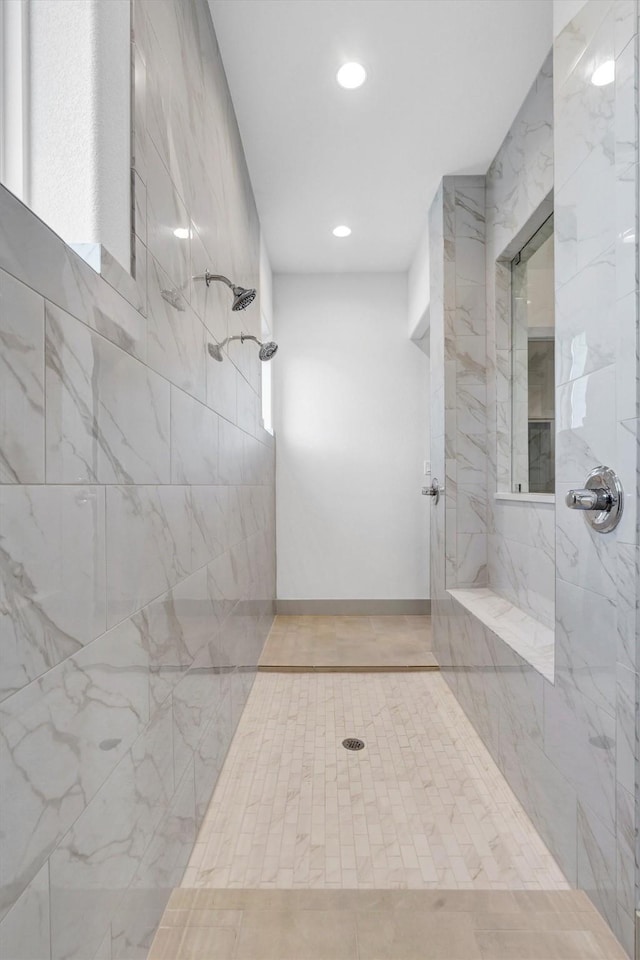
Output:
(266, 352)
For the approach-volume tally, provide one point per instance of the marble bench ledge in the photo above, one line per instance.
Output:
(530, 639)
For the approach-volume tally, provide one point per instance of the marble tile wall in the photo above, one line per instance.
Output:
(521, 552)
(569, 749)
(137, 551)
(465, 382)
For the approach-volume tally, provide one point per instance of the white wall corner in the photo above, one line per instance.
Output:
(266, 285)
(418, 289)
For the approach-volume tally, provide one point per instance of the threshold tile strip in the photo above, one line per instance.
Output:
(312, 668)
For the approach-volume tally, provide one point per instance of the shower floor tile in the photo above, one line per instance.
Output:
(339, 643)
(422, 806)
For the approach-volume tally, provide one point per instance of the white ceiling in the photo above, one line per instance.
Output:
(445, 80)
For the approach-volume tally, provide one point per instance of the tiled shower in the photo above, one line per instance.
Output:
(137, 515)
(562, 731)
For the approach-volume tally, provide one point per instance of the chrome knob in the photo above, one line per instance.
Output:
(599, 499)
(434, 490)
(602, 500)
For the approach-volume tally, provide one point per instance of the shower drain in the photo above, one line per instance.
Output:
(352, 743)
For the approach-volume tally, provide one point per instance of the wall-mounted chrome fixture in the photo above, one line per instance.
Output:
(242, 296)
(266, 352)
(602, 500)
(433, 491)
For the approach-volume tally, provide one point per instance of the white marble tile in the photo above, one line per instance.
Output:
(584, 437)
(52, 593)
(584, 112)
(24, 932)
(177, 341)
(597, 862)
(584, 229)
(579, 738)
(148, 545)
(248, 407)
(230, 448)
(585, 314)
(222, 380)
(21, 383)
(569, 47)
(627, 604)
(194, 440)
(626, 840)
(532, 640)
(94, 864)
(585, 655)
(216, 517)
(167, 213)
(82, 716)
(626, 693)
(35, 255)
(107, 414)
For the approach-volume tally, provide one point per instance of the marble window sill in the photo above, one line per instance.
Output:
(549, 498)
(529, 638)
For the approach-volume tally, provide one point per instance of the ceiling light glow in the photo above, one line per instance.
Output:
(182, 233)
(604, 74)
(342, 231)
(351, 75)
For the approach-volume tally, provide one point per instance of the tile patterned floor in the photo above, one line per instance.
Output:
(423, 806)
(382, 925)
(340, 643)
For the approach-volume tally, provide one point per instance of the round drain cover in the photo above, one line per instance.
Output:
(352, 743)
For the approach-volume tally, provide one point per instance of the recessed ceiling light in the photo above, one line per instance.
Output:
(604, 74)
(182, 233)
(342, 231)
(351, 75)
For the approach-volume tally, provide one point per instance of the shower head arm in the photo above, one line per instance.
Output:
(209, 277)
(249, 336)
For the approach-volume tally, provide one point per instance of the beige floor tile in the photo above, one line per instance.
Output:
(423, 806)
(303, 935)
(407, 935)
(538, 945)
(393, 642)
(208, 943)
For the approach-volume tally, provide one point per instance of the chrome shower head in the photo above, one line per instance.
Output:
(268, 350)
(242, 298)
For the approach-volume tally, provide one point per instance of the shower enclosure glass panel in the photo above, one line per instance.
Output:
(533, 370)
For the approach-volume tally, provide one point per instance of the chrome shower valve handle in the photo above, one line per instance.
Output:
(602, 500)
(434, 490)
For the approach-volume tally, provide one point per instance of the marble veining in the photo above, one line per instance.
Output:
(569, 748)
(529, 638)
(137, 543)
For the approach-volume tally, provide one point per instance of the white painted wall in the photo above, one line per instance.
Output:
(418, 288)
(351, 421)
(79, 136)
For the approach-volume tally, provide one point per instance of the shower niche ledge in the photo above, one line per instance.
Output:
(529, 638)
